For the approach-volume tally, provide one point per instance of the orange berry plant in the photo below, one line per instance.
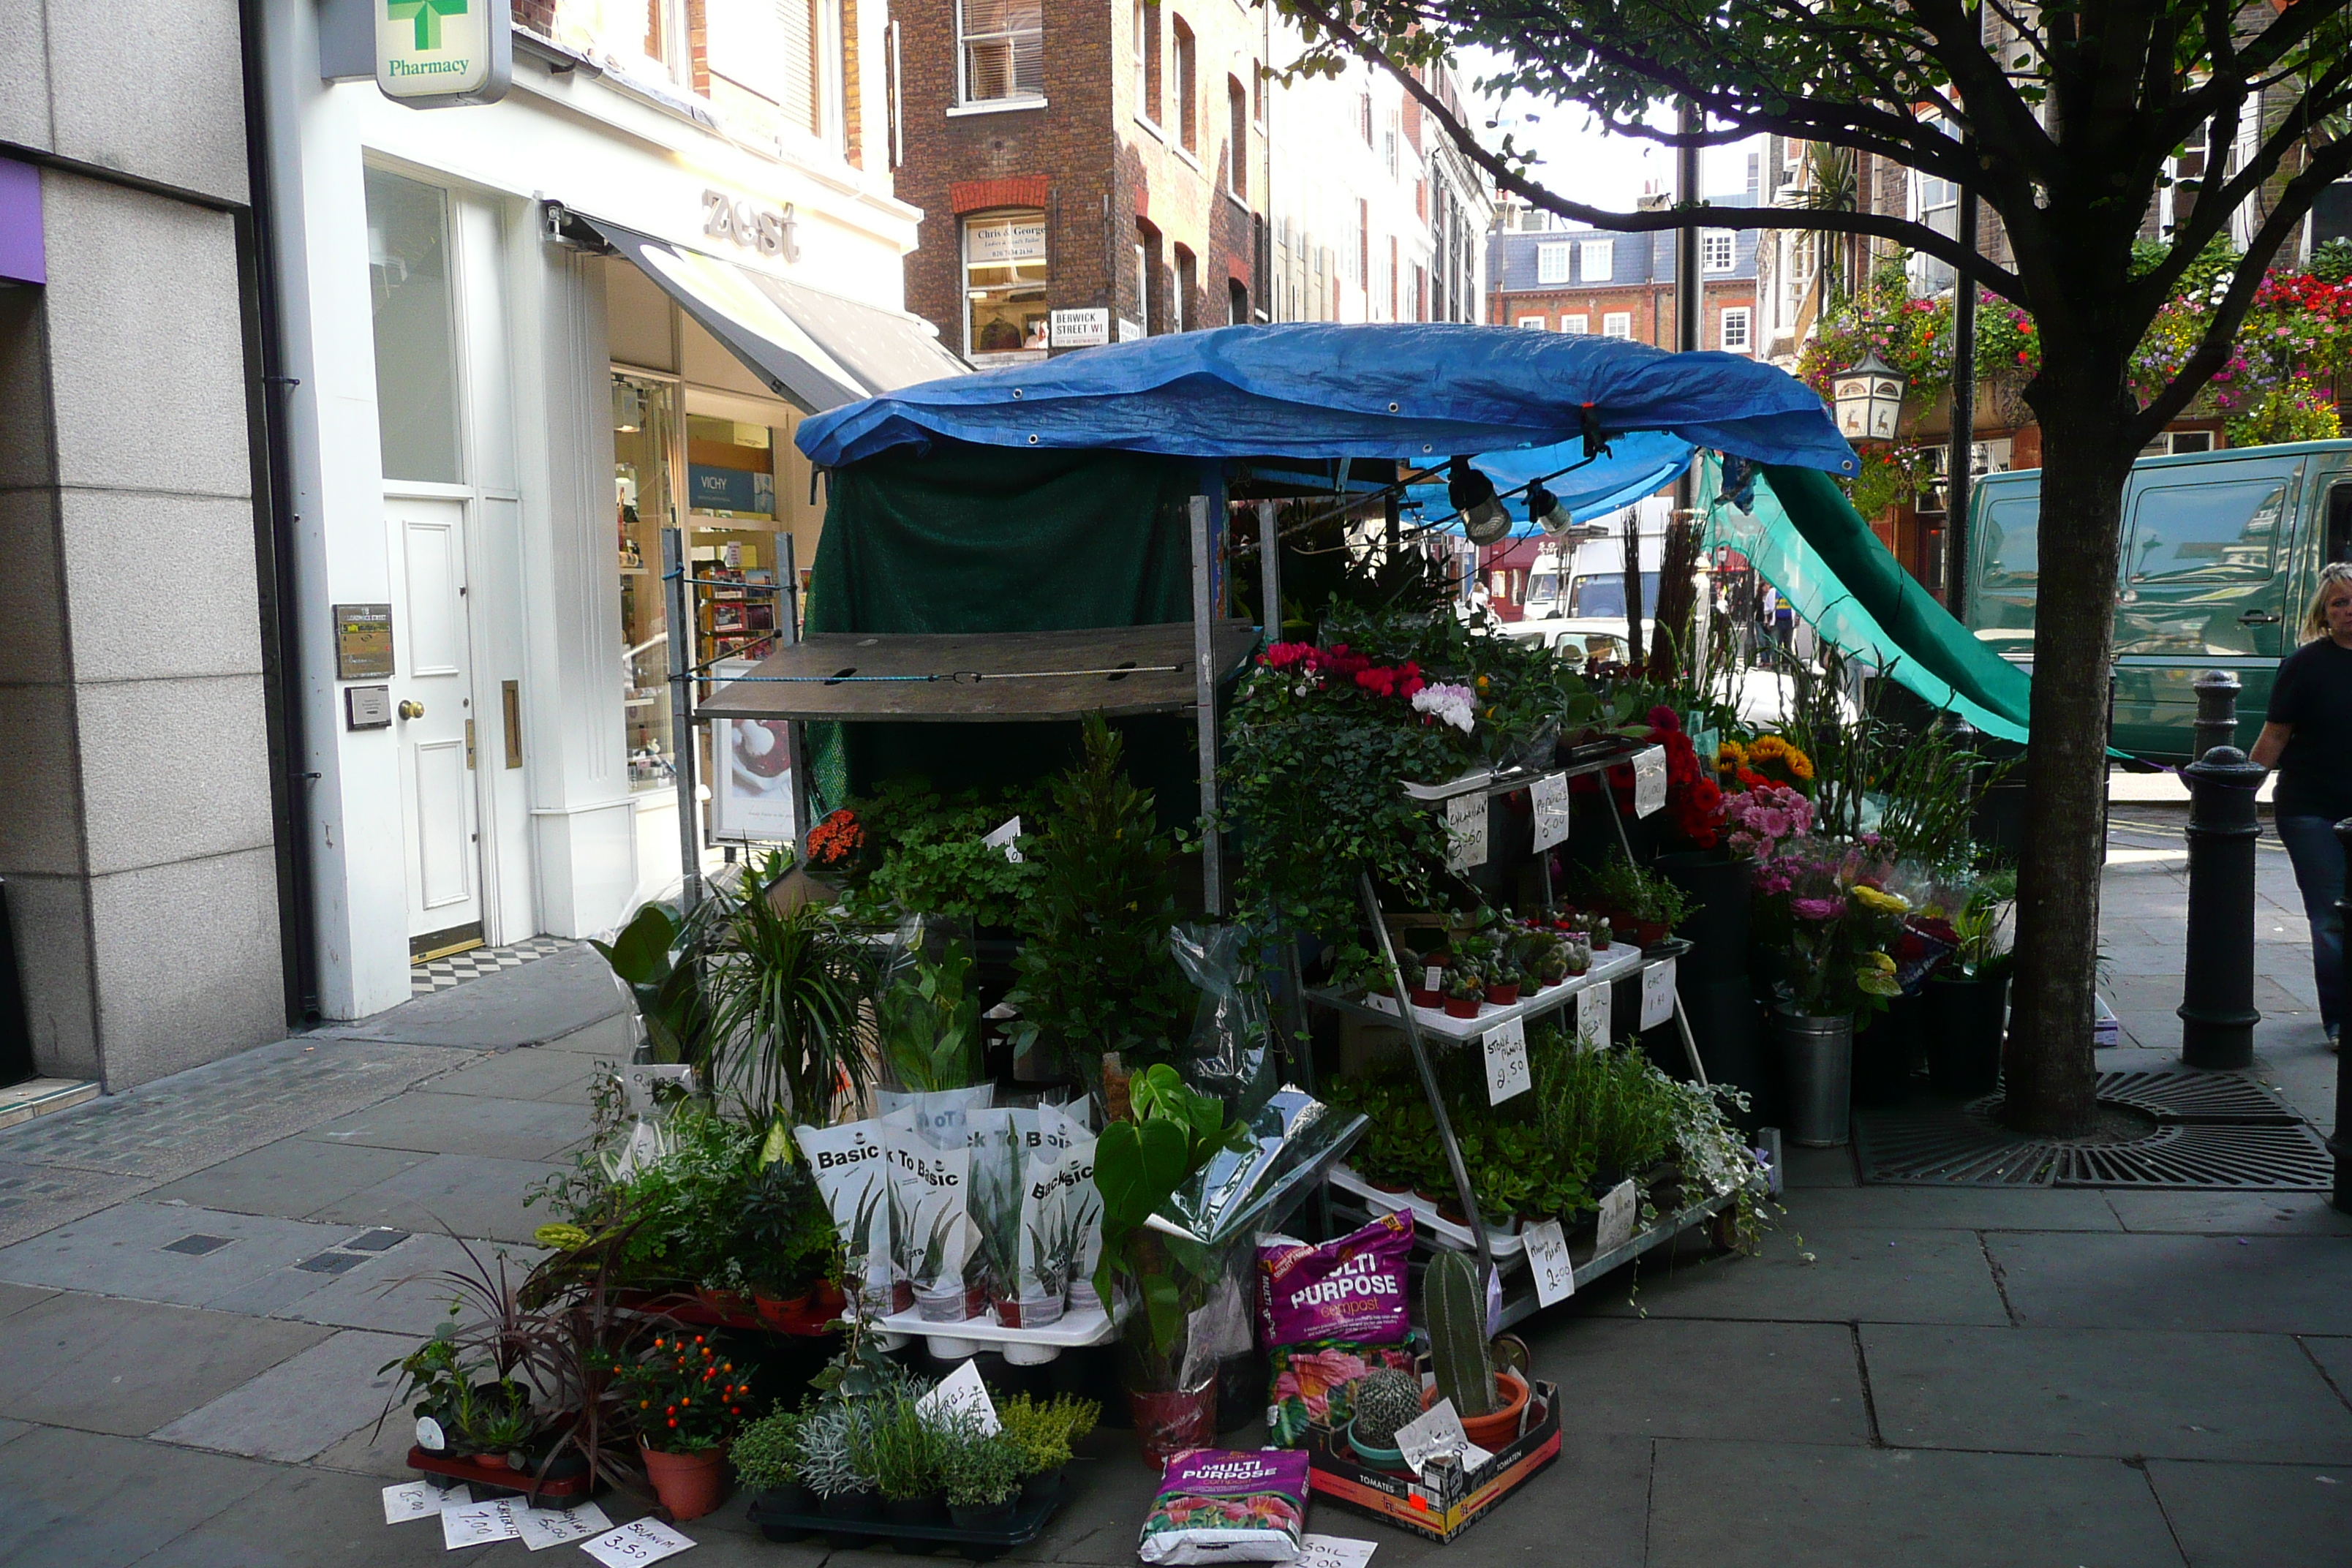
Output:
(684, 1395)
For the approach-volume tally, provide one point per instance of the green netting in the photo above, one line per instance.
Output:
(1803, 538)
(982, 538)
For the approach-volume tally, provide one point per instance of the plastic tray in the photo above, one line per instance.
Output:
(1425, 1217)
(1028, 1521)
(1081, 1324)
(515, 1483)
(1610, 964)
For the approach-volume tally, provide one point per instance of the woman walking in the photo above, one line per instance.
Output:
(2308, 738)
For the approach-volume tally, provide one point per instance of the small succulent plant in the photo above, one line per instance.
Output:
(1385, 1400)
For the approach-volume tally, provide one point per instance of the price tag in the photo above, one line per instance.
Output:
(1649, 781)
(478, 1524)
(1003, 838)
(429, 1435)
(1617, 1214)
(544, 1527)
(1333, 1551)
(1549, 794)
(641, 1540)
(417, 1500)
(1437, 1432)
(1433, 977)
(1592, 1015)
(1465, 831)
(1507, 1062)
(1657, 994)
(1547, 1260)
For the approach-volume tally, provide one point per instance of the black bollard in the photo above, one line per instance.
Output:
(2217, 993)
(2340, 1142)
(2217, 710)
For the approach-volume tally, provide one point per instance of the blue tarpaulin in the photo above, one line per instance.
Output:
(1635, 466)
(1419, 394)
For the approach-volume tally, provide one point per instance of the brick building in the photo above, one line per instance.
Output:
(1072, 156)
(1619, 285)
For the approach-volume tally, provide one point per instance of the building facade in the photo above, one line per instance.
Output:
(1619, 285)
(139, 841)
(526, 338)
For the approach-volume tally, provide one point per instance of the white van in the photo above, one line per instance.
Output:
(1576, 590)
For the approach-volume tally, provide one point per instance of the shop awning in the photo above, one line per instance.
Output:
(818, 351)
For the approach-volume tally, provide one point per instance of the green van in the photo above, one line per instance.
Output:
(2221, 552)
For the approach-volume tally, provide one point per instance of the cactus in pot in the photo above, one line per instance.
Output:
(1456, 1310)
(1385, 1401)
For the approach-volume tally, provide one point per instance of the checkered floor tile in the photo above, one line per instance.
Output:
(424, 979)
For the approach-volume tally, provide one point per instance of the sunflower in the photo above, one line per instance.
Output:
(1730, 757)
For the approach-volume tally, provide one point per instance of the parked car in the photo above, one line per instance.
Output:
(2222, 550)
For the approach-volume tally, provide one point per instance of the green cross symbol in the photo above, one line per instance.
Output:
(429, 14)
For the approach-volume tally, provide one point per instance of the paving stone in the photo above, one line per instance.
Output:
(467, 1193)
(2334, 1357)
(1802, 1167)
(17, 1297)
(309, 1519)
(528, 1073)
(2103, 1392)
(300, 1407)
(369, 1449)
(1952, 1208)
(1666, 1377)
(196, 1119)
(290, 1178)
(1753, 1505)
(105, 1366)
(2261, 1285)
(460, 1124)
(401, 1292)
(123, 1252)
(2257, 1516)
(614, 1039)
(1883, 1276)
(39, 1198)
(522, 1006)
(11, 1430)
(2229, 1213)
(79, 1500)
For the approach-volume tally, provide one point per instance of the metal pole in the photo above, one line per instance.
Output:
(2339, 1143)
(788, 632)
(1959, 463)
(2216, 991)
(1269, 551)
(681, 715)
(1436, 1097)
(1204, 714)
(2217, 710)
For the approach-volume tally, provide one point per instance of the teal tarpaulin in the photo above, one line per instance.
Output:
(1803, 538)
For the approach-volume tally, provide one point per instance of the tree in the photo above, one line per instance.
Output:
(2063, 120)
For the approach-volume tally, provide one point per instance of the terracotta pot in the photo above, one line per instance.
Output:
(1462, 1007)
(829, 1297)
(1169, 1424)
(1502, 995)
(777, 1313)
(1492, 1431)
(689, 1485)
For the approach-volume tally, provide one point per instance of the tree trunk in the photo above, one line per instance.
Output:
(2048, 1057)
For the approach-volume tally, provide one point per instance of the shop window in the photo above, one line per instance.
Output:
(1237, 129)
(1731, 333)
(1551, 263)
(1187, 277)
(1598, 260)
(1004, 283)
(1716, 250)
(643, 420)
(1003, 49)
(1188, 90)
(416, 336)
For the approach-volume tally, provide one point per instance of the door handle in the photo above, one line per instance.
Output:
(411, 710)
(2259, 618)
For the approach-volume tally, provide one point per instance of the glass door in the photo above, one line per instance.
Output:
(644, 417)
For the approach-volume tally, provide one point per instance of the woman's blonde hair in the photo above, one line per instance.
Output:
(2334, 577)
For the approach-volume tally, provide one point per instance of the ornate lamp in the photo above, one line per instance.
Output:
(1869, 399)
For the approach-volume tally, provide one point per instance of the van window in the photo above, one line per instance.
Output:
(1600, 597)
(2339, 522)
(2009, 538)
(2224, 531)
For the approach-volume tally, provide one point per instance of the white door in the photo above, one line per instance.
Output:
(432, 695)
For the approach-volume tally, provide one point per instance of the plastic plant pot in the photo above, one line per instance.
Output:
(1462, 1006)
(1502, 995)
(941, 1304)
(994, 1516)
(1028, 1311)
(1378, 1458)
(1169, 1423)
(1046, 1487)
(689, 1485)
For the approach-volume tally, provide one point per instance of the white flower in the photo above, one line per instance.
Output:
(1451, 704)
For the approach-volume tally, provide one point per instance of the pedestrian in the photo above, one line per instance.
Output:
(2308, 738)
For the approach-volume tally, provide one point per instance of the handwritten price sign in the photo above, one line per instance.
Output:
(1555, 1276)
(1592, 1015)
(1465, 831)
(1657, 994)
(1649, 781)
(1507, 1062)
(1549, 794)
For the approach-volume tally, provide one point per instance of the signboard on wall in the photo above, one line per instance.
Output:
(994, 242)
(436, 54)
(1081, 328)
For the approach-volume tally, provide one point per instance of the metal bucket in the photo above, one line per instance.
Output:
(1817, 1077)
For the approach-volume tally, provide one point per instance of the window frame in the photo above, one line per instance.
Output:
(964, 40)
(1746, 315)
(1617, 324)
(1549, 251)
(1711, 241)
(965, 224)
(1540, 323)
(1237, 126)
(1583, 328)
(1584, 269)
(1187, 87)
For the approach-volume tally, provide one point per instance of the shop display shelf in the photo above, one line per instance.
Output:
(1609, 963)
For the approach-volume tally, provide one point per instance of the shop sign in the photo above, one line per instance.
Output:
(1003, 243)
(771, 231)
(1083, 329)
(436, 54)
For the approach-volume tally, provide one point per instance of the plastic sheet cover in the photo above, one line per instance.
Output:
(1296, 1136)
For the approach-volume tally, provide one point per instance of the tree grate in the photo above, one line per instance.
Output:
(2184, 1130)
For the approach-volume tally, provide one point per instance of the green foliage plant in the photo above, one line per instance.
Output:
(930, 1022)
(932, 860)
(766, 1453)
(1047, 1431)
(908, 1454)
(982, 1472)
(658, 956)
(785, 987)
(1386, 1399)
(833, 1457)
(1618, 884)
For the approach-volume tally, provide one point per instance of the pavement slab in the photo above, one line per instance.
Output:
(369, 1449)
(2285, 1285)
(527, 1073)
(35, 1198)
(1852, 1274)
(1747, 1505)
(528, 1006)
(301, 1407)
(129, 1367)
(2229, 1213)
(80, 1500)
(1670, 1377)
(2334, 1358)
(2257, 1516)
(469, 1195)
(163, 1252)
(461, 1125)
(1946, 1208)
(1802, 1167)
(290, 1178)
(2120, 1393)
(15, 1299)
(404, 1293)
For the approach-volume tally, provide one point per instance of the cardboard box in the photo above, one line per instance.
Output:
(1437, 1512)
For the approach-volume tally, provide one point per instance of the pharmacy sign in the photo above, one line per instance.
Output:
(430, 54)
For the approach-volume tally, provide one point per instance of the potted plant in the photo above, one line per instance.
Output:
(1465, 989)
(930, 1023)
(1968, 1010)
(1138, 1165)
(785, 984)
(1648, 905)
(785, 1238)
(767, 1458)
(984, 1479)
(1835, 925)
(908, 1455)
(688, 1401)
(835, 1462)
(1386, 1399)
(1489, 1402)
(1045, 1433)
